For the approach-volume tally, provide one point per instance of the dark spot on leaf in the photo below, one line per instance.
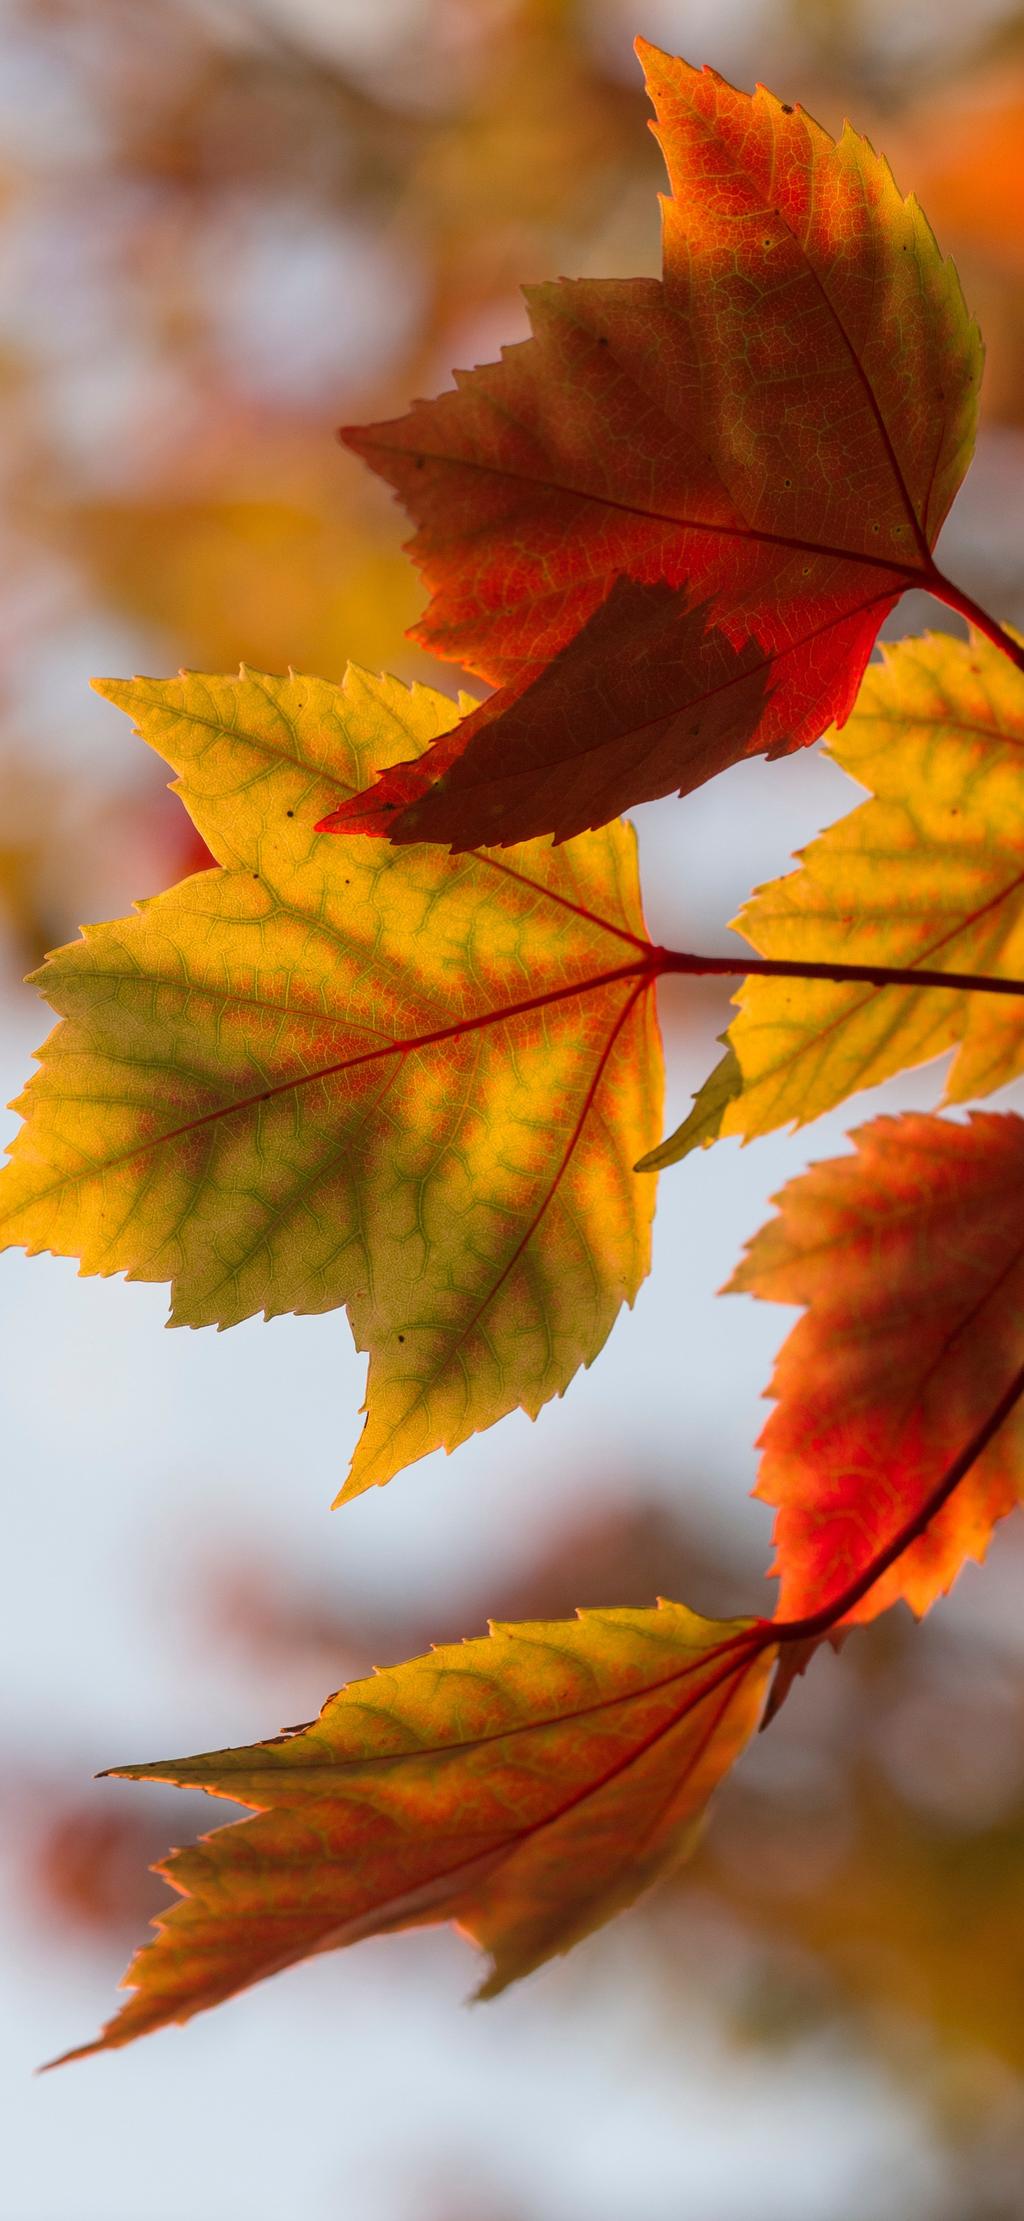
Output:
(289, 813)
(787, 108)
(401, 1337)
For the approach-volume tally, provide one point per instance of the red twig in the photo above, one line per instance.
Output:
(869, 975)
(945, 591)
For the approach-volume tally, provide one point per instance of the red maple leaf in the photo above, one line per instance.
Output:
(668, 525)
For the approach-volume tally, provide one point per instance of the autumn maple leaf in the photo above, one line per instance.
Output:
(669, 524)
(927, 874)
(909, 1256)
(527, 1785)
(332, 1073)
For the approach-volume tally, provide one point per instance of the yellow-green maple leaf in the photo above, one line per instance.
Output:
(527, 1785)
(331, 1072)
(929, 872)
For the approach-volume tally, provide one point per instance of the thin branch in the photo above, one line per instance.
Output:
(965, 606)
(870, 975)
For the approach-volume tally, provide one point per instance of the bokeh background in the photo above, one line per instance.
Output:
(224, 228)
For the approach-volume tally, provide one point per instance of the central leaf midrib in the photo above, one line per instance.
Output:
(334, 1764)
(256, 1098)
(657, 516)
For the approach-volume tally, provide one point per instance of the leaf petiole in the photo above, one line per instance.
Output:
(870, 975)
(952, 597)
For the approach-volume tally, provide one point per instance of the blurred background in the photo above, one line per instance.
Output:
(224, 228)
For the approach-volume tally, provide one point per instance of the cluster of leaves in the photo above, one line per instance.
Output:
(413, 1068)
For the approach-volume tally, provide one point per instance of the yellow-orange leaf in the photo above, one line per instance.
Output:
(910, 1259)
(929, 872)
(331, 1073)
(527, 1785)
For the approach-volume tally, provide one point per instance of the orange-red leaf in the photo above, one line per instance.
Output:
(909, 1257)
(669, 524)
(528, 1786)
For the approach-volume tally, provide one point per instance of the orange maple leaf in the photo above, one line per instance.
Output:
(527, 1786)
(910, 1259)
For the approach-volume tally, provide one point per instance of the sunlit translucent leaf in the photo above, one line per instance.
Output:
(708, 1118)
(329, 1073)
(669, 524)
(909, 1257)
(929, 872)
(527, 1785)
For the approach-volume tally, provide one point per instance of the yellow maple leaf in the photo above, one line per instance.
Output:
(929, 872)
(328, 1073)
